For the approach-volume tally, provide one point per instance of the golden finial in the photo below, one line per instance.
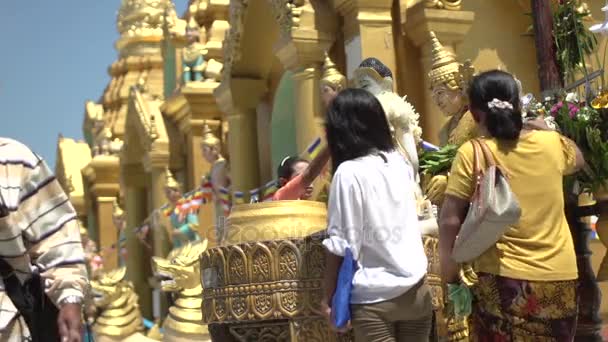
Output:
(209, 138)
(331, 76)
(153, 131)
(170, 181)
(116, 209)
(445, 68)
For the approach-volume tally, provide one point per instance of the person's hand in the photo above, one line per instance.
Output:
(537, 124)
(326, 312)
(435, 190)
(70, 322)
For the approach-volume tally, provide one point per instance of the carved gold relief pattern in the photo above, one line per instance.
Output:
(287, 14)
(288, 263)
(236, 267)
(232, 43)
(278, 332)
(260, 268)
(267, 293)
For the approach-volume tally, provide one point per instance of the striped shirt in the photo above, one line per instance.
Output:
(40, 232)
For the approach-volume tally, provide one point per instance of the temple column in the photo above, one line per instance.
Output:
(309, 118)
(161, 240)
(136, 211)
(108, 233)
(450, 27)
(238, 98)
(368, 32)
(103, 178)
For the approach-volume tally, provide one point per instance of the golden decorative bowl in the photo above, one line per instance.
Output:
(276, 220)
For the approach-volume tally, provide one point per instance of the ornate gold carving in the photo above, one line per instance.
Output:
(270, 294)
(261, 332)
(289, 261)
(260, 265)
(454, 5)
(140, 18)
(237, 271)
(120, 317)
(180, 273)
(287, 14)
(331, 76)
(232, 43)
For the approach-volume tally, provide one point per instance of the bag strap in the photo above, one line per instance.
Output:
(490, 160)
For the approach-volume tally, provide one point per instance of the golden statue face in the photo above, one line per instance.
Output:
(173, 195)
(450, 101)
(210, 153)
(328, 93)
(181, 269)
(109, 287)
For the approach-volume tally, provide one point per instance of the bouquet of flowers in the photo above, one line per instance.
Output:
(586, 124)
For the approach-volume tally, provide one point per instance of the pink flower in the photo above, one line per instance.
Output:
(556, 107)
(573, 109)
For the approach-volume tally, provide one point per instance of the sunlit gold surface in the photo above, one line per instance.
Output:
(270, 282)
(274, 221)
(331, 76)
(180, 274)
(120, 318)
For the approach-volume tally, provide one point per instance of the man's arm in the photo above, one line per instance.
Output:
(51, 230)
(315, 167)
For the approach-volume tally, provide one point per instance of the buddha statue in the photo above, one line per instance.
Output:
(376, 78)
(119, 220)
(184, 225)
(332, 81)
(193, 55)
(218, 174)
(449, 80)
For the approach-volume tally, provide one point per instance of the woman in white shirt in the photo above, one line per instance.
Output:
(372, 211)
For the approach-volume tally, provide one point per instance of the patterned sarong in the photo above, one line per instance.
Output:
(506, 309)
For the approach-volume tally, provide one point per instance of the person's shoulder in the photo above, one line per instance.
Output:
(13, 151)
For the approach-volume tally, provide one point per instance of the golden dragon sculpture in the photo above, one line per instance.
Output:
(120, 318)
(180, 274)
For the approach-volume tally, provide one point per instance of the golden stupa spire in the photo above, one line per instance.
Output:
(170, 181)
(209, 138)
(444, 67)
(331, 76)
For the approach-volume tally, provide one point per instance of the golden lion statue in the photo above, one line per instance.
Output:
(180, 274)
(120, 318)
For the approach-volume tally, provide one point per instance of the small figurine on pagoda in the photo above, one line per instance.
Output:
(193, 55)
(218, 178)
(119, 220)
(184, 223)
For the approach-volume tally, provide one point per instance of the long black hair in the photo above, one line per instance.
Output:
(356, 126)
(502, 122)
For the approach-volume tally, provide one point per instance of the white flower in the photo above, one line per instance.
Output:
(550, 121)
(572, 97)
(548, 98)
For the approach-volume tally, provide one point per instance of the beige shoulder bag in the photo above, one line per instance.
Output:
(494, 208)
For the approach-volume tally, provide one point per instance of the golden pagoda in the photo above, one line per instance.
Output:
(259, 68)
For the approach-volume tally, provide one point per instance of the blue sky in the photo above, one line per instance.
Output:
(55, 56)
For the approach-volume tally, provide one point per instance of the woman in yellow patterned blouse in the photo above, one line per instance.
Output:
(527, 281)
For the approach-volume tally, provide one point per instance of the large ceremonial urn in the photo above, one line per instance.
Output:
(264, 283)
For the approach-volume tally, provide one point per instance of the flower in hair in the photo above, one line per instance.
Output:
(496, 103)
